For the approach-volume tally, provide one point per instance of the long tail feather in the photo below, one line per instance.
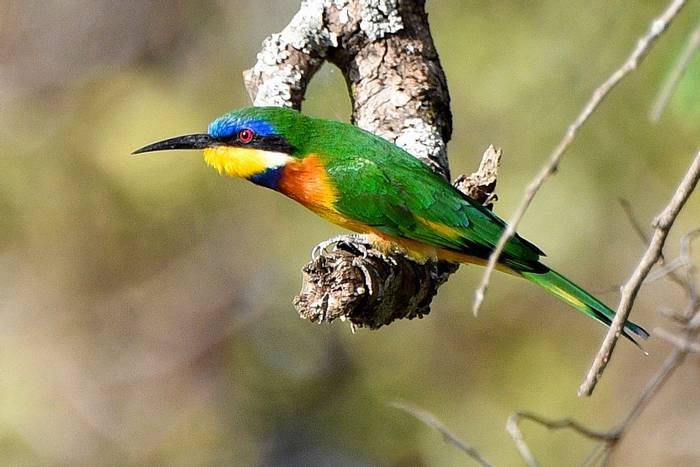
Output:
(565, 290)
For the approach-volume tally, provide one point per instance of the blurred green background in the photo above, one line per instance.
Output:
(145, 303)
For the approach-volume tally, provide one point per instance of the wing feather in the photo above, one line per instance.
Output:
(390, 190)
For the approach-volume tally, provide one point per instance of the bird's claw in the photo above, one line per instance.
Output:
(325, 246)
(359, 246)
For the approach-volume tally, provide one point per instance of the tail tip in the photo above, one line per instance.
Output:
(638, 330)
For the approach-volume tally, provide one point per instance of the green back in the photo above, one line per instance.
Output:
(383, 186)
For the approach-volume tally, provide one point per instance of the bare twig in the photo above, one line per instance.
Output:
(513, 429)
(667, 269)
(662, 225)
(684, 260)
(629, 212)
(679, 341)
(602, 450)
(644, 45)
(670, 268)
(684, 343)
(687, 344)
(674, 77)
(690, 277)
(653, 386)
(430, 420)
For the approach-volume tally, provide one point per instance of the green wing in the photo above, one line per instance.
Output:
(390, 190)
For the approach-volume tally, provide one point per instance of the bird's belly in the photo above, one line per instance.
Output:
(419, 251)
(422, 252)
(331, 215)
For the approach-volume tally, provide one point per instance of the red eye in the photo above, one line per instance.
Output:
(245, 136)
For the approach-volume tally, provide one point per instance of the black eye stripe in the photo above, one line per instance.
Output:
(274, 143)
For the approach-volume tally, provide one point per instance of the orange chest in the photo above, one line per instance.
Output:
(307, 182)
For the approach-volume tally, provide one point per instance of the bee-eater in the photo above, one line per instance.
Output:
(366, 184)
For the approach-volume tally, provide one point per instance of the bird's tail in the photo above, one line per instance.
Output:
(564, 289)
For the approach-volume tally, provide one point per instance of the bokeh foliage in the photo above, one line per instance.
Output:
(145, 303)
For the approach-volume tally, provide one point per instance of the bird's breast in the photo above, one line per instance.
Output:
(306, 181)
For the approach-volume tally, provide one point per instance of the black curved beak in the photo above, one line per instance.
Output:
(199, 141)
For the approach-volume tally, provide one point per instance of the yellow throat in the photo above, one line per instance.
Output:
(243, 162)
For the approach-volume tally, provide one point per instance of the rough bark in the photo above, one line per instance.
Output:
(399, 92)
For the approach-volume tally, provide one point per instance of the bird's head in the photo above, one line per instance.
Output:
(253, 142)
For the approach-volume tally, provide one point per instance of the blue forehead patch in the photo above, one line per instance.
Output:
(228, 125)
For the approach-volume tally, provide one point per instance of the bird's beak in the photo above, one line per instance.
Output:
(200, 141)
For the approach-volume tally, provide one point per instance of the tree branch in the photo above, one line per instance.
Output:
(679, 341)
(513, 429)
(684, 343)
(664, 96)
(662, 225)
(670, 274)
(644, 45)
(432, 421)
(398, 91)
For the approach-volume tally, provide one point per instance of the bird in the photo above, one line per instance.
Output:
(366, 184)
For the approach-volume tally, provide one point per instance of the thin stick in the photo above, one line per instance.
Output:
(669, 366)
(684, 344)
(627, 208)
(644, 45)
(679, 341)
(664, 96)
(690, 274)
(596, 454)
(662, 225)
(513, 429)
(629, 212)
(673, 361)
(432, 421)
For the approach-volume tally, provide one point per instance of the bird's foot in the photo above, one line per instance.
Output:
(360, 247)
(326, 245)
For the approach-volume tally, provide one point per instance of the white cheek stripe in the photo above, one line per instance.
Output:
(273, 159)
